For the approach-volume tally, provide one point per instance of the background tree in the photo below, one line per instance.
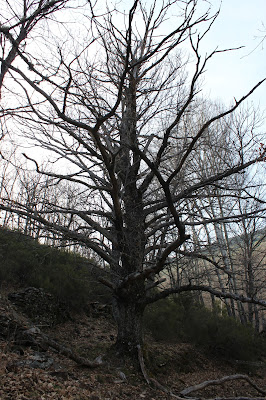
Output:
(211, 255)
(111, 103)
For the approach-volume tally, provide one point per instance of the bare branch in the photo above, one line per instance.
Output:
(203, 288)
(215, 382)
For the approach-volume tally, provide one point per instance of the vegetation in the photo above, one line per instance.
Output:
(184, 319)
(25, 262)
(71, 278)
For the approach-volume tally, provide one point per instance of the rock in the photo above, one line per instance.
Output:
(40, 360)
(122, 375)
(37, 360)
(43, 308)
(96, 309)
(33, 331)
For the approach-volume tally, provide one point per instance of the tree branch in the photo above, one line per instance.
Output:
(203, 288)
(216, 382)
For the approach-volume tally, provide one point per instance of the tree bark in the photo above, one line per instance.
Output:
(129, 318)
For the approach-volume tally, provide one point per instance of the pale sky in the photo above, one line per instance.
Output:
(229, 75)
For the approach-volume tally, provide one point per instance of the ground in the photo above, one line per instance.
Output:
(28, 373)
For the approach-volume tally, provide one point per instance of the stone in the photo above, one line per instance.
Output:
(40, 306)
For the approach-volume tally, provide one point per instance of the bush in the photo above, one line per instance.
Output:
(184, 319)
(222, 335)
(25, 262)
(164, 320)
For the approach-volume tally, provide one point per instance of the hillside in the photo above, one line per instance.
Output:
(54, 318)
(30, 372)
(72, 279)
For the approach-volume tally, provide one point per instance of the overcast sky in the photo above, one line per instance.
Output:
(229, 75)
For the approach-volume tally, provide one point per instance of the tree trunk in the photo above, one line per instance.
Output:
(129, 319)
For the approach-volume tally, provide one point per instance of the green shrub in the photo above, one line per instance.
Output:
(25, 262)
(222, 335)
(184, 319)
(163, 320)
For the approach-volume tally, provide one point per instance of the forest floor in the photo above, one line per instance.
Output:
(28, 373)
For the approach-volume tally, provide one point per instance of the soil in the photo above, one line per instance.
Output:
(32, 373)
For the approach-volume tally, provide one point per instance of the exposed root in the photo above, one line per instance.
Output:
(153, 381)
(142, 365)
(184, 393)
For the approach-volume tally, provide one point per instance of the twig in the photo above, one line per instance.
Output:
(204, 384)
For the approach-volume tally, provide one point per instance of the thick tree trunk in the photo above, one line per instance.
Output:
(129, 229)
(129, 318)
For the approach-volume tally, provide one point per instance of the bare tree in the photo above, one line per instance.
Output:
(250, 259)
(217, 240)
(18, 18)
(110, 102)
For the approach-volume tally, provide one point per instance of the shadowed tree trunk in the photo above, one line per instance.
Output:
(128, 314)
